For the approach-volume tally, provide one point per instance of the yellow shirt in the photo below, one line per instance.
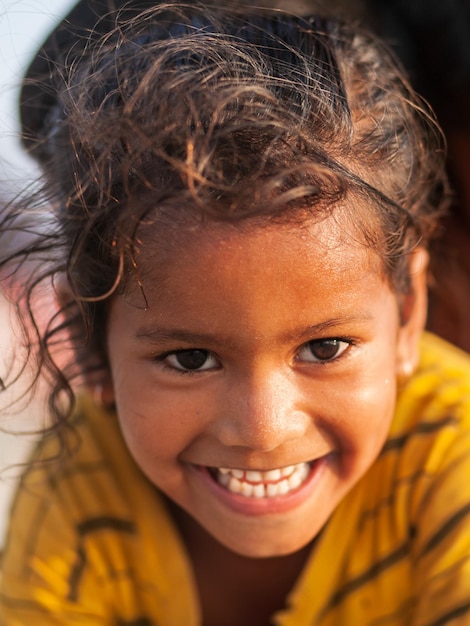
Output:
(91, 543)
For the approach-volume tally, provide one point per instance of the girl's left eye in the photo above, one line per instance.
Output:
(190, 360)
(322, 350)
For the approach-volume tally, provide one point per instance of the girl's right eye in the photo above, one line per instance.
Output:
(190, 360)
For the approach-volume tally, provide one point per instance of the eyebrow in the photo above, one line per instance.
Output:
(162, 335)
(174, 334)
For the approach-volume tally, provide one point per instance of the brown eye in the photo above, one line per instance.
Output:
(322, 350)
(191, 360)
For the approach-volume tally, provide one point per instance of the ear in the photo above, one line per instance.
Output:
(413, 315)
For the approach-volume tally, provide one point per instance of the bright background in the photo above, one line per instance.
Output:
(23, 26)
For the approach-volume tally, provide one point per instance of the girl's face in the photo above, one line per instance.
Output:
(259, 383)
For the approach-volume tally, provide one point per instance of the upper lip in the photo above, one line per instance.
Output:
(244, 468)
(258, 467)
(251, 461)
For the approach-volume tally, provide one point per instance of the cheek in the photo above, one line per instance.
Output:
(142, 431)
(154, 443)
(157, 425)
(358, 417)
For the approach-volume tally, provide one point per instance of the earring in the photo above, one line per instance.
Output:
(405, 371)
(408, 369)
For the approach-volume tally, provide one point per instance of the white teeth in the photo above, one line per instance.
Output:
(294, 481)
(247, 489)
(272, 490)
(234, 485)
(253, 477)
(272, 475)
(268, 484)
(258, 490)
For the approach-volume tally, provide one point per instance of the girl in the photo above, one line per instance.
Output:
(242, 202)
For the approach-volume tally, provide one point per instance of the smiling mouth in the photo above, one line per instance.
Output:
(258, 484)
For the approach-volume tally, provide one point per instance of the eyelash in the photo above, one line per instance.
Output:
(162, 358)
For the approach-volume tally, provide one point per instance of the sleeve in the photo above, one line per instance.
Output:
(45, 580)
(441, 529)
(76, 553)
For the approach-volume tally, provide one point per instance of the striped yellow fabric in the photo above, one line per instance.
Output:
(92, 543)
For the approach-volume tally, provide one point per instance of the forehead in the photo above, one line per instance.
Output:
(326, 252)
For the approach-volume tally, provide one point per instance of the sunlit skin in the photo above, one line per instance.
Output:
(260, 302)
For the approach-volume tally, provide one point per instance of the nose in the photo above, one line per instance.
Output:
(261, 412)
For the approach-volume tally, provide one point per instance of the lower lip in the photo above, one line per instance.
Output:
(265, 506)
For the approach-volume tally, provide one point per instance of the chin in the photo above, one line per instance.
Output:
(261, 546)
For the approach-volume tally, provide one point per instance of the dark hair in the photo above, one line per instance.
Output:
(239, 114)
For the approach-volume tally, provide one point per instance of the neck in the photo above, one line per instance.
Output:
(249, 590)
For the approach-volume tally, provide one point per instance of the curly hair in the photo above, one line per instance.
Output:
(221, 114)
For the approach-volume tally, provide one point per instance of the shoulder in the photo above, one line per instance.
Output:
(77, 464)
(438, 394)
(438, 356)
(431, 426)
(78, 540)
(427, 454)
(70, 487)
(435, 460)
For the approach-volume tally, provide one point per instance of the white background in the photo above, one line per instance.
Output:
(23, 26)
